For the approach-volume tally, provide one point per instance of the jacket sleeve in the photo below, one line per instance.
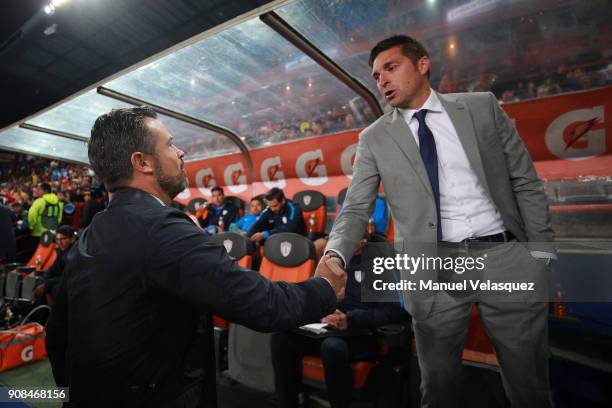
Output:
(186, 264)
(358, 204)
(55, 269)
(526, 185)
(258, 226)
(56, 340)
(34, 214)
(293, 220)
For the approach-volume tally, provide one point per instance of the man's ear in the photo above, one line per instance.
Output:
(423, 65)
(142, 163)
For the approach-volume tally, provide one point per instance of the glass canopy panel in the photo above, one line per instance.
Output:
(78, 115)
(249, 79)
(508, 47)
(196, 142)
(44, 144)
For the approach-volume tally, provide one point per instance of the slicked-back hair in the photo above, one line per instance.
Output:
(114, 137)
(410, 48)
(219, 189)
(275, 193)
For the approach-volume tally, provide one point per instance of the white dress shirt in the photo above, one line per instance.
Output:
(465, 209)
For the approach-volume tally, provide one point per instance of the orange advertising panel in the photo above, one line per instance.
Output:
(568, 133)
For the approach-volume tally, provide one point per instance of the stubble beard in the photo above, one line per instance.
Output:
(171, 185)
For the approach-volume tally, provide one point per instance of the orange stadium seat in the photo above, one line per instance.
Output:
(238, 247)
(45, 255)
(314, 211)
(288, 257)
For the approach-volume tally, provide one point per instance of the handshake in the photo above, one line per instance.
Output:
(331, 269)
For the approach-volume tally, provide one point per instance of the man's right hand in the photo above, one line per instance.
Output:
(331, 269)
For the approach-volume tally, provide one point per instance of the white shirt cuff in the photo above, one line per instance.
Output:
(543, 255)
(339, 254)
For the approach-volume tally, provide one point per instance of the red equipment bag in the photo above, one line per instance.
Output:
(22, 345)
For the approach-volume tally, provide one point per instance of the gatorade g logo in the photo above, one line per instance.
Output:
(271, 173)
(204, 179)
(27, 354)
(310, 168)
(235, 179)
(347, 159)
(577, 134)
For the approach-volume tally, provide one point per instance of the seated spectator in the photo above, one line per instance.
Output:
(255, 208)
(21, 215)
(281, 215)
(90, 208)
(65, 238)
(221, 213)
(337, 353)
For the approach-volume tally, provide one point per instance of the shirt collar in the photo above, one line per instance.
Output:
(159, 200)
(432, 104)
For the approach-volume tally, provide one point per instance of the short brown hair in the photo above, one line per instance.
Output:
(410, 48)
(114, 137)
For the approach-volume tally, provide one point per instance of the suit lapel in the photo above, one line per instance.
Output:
(462, 121)
(401, 134)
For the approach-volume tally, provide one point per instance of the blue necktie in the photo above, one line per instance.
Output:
(429, 154)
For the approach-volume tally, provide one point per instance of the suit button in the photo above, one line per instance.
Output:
(432, 225)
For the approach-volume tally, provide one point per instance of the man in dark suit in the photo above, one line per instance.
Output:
(456, 175)
(124, 328)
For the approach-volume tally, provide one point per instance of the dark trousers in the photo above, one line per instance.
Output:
(337, 353)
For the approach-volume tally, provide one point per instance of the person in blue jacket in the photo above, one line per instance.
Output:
(244, 223)
(336, 352)
(281, 215)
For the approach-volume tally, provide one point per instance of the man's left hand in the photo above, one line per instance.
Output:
(258, 236)
(337, 320)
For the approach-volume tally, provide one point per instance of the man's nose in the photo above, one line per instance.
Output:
(180, 153)
(383, 81)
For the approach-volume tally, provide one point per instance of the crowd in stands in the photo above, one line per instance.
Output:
(45, 194)
(257, 133)
(567, 80)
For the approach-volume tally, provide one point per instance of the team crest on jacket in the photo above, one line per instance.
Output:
(307, 199)
(228, 244)
(285, 248)
(358, 276)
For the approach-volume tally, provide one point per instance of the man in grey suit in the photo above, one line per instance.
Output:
(456, 174)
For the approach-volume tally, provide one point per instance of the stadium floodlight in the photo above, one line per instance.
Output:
(49, 9)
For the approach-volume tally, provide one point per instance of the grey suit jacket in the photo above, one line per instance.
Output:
(388, 153)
